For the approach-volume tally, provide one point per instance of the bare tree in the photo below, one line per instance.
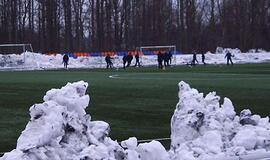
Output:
(96, 25)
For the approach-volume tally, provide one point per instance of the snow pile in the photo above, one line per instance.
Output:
(144, 151)
(12, 60)
(221, 50)
(37, 61)
(41, 61)
(203, 129)
(60, 129)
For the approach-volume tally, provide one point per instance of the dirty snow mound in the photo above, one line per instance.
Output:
(202, 128)
(60, 129)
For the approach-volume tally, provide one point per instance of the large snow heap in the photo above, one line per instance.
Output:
(60, 129)
(38, 61)
(203, 129)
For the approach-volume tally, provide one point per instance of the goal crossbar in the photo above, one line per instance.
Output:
(14, 45)
(171, 48)
(19, 45)
(157, 47)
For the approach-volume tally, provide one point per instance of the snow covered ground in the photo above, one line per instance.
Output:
(36, 61)
(201, 129)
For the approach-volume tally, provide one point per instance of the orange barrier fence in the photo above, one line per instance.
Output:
(110, 53)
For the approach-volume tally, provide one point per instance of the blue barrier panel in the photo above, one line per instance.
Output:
(88, 54)
(95, 54)
(69, 54)
(178, 52)
(122, 53)
(148, 53)
(72, 55)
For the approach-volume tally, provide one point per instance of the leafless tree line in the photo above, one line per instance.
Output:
(98, 25)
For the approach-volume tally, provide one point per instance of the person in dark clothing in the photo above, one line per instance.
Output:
(129, 59)
(194, 59)
(137, 58)
(108, 60)
(65, 60)
(229, 57)
(166, 59)
(170, 57)
(160, 60)
(203, 58)
(124, 61)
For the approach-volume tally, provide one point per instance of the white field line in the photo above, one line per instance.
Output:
(140, 76)
(202, 73)
(157, 139)
(114, 76)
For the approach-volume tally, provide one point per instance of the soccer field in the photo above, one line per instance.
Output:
(135, 102)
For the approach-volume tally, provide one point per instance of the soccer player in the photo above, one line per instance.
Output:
(166, 59)
(137, 58)
(108, 61)
(65, 60)
(170, 57)
(229, 57)
(194, 58)
(160, 60)
(129, 59)
(203, 58)
(124, 61)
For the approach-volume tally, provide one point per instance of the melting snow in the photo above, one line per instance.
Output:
(60, 129)
(37, 61)
(201, 129)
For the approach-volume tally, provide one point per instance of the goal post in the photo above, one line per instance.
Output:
(15, 48)
(18, 49)
(168, 48)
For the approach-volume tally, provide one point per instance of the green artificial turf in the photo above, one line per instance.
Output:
(138, 101)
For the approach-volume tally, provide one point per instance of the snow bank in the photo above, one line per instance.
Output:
(60, 129)
(202, 128)
(144, 151)
(37, 61)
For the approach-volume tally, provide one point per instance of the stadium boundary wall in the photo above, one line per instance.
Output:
(110, 53)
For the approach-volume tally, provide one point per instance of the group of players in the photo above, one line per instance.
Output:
(127, 59)
(162, 58)
(194, 61)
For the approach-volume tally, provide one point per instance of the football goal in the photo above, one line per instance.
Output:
(153, 50)
(6, 50)
(15, 48)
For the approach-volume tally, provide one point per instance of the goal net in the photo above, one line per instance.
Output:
(13, 54)
(154, 50)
